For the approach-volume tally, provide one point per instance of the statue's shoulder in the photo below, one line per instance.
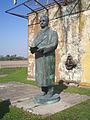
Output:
(38, 33)
(53, 32)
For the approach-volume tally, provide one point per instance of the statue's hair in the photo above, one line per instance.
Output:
(44, 15)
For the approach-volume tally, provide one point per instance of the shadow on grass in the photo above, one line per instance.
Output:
(4, 107)
(60, 87)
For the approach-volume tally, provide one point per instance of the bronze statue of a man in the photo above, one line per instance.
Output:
(44, 46)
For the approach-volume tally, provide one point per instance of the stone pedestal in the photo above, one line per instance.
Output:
(47, 99)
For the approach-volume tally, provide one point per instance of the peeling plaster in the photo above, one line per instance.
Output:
(72, 32)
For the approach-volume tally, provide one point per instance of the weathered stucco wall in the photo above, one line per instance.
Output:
(74, 39)
(85, 37)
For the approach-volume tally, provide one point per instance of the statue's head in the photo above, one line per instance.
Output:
(44, 20)
(69, 57)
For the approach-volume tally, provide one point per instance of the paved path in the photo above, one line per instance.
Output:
(17, 91)
(21, 96)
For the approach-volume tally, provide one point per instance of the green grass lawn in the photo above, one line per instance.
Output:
(79, 90)
(7, 112)
(20, 75)
(78, 112)
(15, 75)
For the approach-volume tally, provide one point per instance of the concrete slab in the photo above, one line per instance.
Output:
(3, 75)
(22, 95)
(67, 100)
(17, 91)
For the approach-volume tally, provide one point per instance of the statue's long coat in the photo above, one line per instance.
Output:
(45, 62)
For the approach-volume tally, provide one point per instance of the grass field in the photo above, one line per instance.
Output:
(15, 75)
(78, 112)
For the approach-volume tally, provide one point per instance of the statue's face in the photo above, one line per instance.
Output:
(70, 57)
(43, 22)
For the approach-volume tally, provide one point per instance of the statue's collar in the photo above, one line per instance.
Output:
(45, 29)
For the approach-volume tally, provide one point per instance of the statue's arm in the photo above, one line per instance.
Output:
(33, 47)
(33, 43)
(53, 44)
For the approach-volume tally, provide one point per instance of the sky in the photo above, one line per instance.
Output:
(13, 31)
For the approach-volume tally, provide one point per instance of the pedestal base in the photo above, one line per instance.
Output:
(45, 99)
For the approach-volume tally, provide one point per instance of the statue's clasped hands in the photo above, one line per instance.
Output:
(41, 49)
